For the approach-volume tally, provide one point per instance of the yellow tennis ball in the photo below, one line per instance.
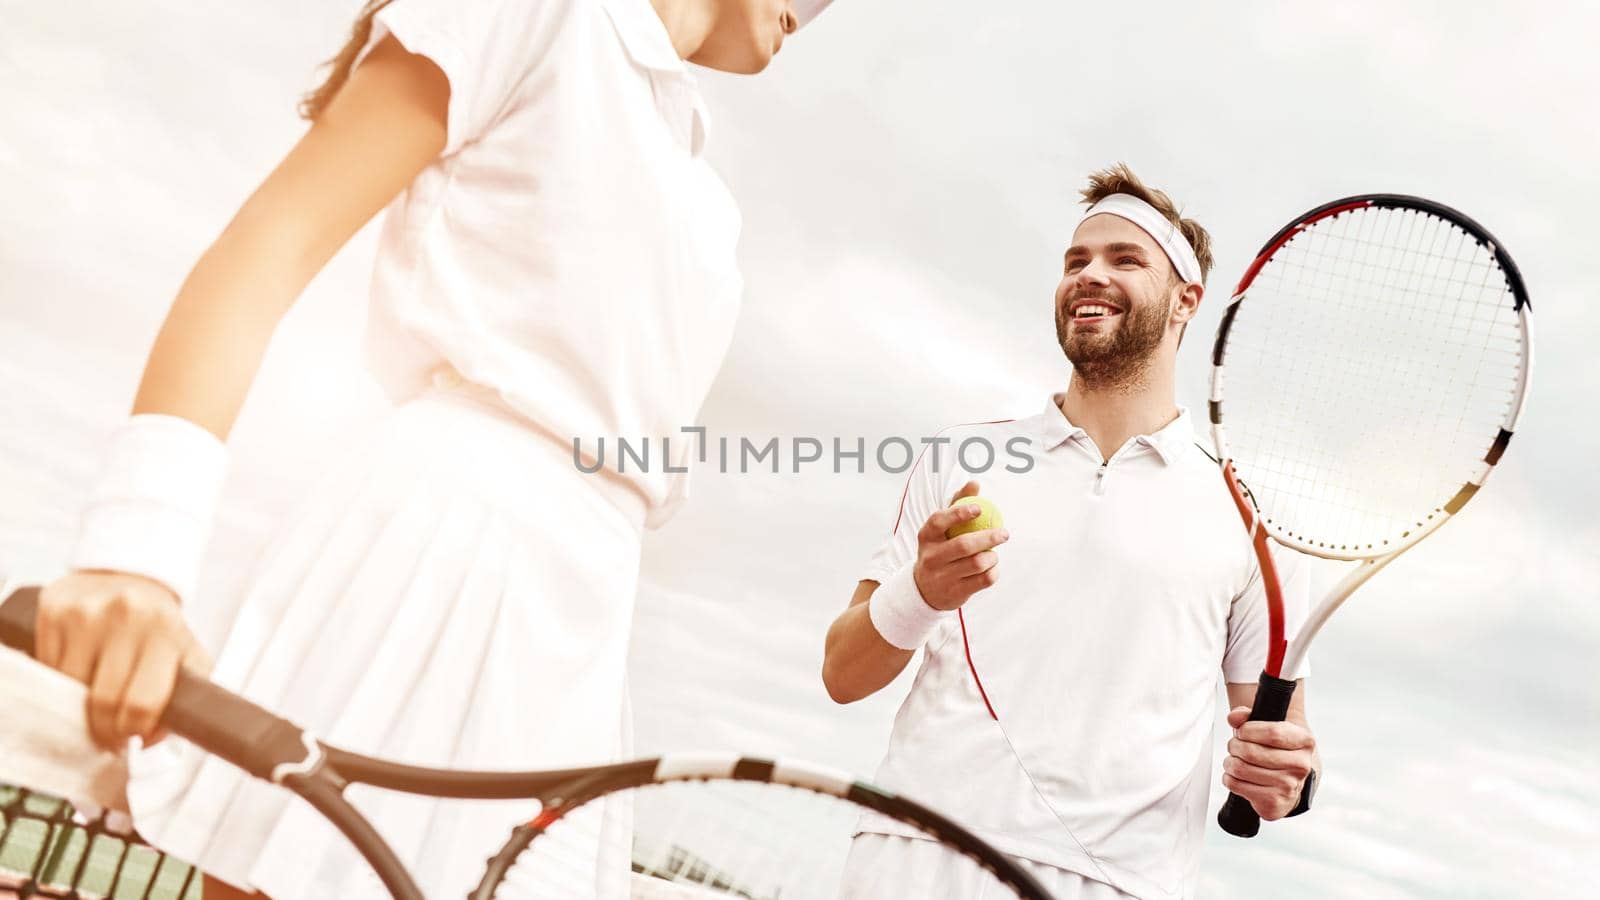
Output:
(988, 518)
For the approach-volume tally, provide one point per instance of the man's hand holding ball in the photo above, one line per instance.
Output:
(956, 555)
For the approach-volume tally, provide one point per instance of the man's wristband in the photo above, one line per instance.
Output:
(900, 614)
(150, 512)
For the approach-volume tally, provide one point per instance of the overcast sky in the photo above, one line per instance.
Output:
(907, 173)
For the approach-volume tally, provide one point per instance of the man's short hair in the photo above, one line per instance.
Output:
(1119, 179)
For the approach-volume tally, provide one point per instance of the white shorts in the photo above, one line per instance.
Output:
(892, 866)
(456, 593)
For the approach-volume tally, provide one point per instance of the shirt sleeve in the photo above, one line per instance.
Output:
(487, 50)
(924, 495)
(1246, 653)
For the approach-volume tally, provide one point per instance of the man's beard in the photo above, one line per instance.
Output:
(1119, 360)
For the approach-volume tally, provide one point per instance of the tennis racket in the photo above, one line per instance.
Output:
(48, 847)
(1367, 376)
(705, 826)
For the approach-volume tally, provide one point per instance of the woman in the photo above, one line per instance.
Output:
(557, 263)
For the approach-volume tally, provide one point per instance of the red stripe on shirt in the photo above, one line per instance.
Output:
(900, 513)
(974, 669)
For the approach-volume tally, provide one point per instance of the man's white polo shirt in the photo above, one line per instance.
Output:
(1066, 713)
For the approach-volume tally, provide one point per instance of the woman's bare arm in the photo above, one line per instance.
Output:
(120, 633)
(385, 126)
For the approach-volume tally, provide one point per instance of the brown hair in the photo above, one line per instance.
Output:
(313, 103)
(1119, 179)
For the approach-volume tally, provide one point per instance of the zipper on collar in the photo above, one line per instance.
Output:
(1105, 465)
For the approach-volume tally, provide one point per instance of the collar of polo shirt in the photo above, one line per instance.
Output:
(806, 10)
(644, 36)
(1168, 442)
(651, 46)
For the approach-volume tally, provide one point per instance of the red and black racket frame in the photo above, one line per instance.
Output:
(1274, 693)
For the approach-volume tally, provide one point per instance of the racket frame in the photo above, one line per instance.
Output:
(274, 749)
(1275, 693)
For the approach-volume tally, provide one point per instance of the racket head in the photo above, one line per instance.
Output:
(1369, 372)
(708, 826)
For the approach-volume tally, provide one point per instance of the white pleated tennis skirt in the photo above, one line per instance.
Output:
(893, 866)
(456, 593)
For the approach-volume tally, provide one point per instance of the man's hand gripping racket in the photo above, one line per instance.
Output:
(1367, 376)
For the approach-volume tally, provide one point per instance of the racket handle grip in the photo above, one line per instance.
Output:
(1237, 817)
(210, 716)
(229, 726)
(17, 613)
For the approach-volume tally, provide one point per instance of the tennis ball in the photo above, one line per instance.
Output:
(988, 518)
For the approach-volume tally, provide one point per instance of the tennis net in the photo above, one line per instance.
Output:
(50, 849)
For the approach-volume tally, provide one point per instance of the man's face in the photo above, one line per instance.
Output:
(1114, 302)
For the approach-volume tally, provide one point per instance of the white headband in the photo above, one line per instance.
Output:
(806, 10)
(1159, 227)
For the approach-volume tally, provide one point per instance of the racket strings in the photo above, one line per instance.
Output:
(1313, 280)
(1367, 372)
(720, 839)
(690, 840)
(1376, 340)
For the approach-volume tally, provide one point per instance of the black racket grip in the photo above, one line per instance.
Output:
(214, 718)
(16, 619)
(1237, 817)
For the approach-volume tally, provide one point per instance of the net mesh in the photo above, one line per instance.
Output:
(48, 849)
(1367, 372)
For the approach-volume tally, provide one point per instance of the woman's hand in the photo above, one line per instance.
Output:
(124, 636)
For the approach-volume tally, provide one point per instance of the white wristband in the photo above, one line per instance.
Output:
(900, 614)
(150, 512)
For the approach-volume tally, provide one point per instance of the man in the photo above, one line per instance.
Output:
(1065, 701)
